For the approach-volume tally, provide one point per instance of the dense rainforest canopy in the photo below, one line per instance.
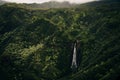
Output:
(37, 44)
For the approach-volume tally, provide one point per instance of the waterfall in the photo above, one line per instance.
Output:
(74, 62)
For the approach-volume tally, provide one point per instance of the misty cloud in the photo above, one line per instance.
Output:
(41, 1)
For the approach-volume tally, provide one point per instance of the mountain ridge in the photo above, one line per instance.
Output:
(50, 4)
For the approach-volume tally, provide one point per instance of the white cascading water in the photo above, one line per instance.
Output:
(74, 62)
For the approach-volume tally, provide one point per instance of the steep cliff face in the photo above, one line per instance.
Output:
(37, 44)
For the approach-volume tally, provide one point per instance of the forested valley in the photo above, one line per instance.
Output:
(37, 43)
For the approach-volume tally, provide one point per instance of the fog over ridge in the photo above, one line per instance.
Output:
(42, 1)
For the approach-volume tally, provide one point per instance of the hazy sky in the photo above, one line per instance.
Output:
(41, 1)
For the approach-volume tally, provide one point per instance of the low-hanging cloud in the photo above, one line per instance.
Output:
(41, 1)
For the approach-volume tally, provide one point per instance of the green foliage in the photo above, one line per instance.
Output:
(36, 44)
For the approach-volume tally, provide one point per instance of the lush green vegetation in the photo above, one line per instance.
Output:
(36, 44)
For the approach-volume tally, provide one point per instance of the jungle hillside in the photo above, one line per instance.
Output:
(37, 41)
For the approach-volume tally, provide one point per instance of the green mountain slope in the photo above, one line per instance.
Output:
(37, 44)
